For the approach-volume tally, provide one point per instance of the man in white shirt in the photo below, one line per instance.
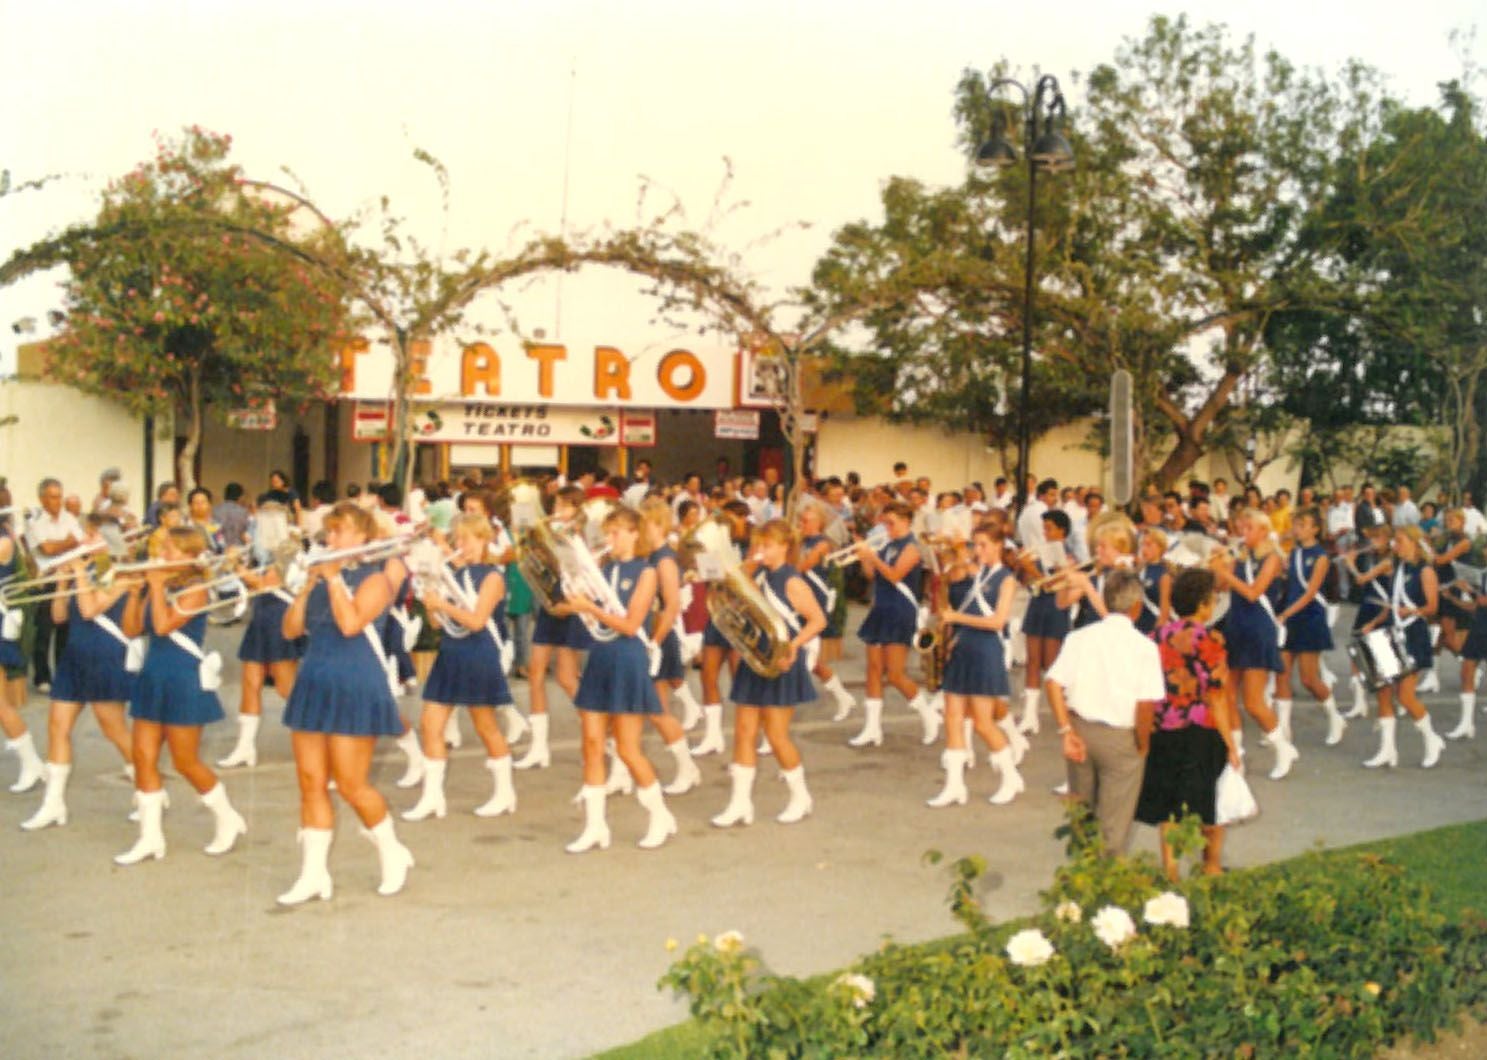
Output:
(640, 485)
(52, 531)
(1405, 511)
(1218, 500)
(1476, 522)
(1104, 689)
(1030, 522)
(1002, 495)
(1079, 522)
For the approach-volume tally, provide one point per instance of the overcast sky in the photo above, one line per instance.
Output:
(816, 102)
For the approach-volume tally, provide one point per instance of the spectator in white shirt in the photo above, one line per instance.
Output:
(1002, 495)
(1476, 523)
(52, 531)
(1405, 511)
(1218, 500)
(1104, 689)
(1030, 522)
(640, 486)
(106, 482)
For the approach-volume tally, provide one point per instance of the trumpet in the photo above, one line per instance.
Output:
(1052, 583)
(845, 556)
(377, 551)
(20, 592)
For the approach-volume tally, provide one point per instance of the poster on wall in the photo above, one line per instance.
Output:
(637, 428)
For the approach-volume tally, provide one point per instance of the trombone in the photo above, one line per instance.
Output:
(283, 559)
(20, 592)
(1052, 583)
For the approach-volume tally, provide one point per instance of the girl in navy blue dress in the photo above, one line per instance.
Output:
(771, 701)
(1370, 568)
(264, 652)
(91, 671)
(174, 698)
(1251, 632)
(1156, 581)
(1452, 617)
(715, 647)
(13, 666)
(975, 682)
(892, 620)
(468, 672)
(1044, 624)
(616, 693)
(1304, 616)
(1473, 652)
(656, 524)
(558, 641)
(342, 701)
(814, 548)
(1413, 598)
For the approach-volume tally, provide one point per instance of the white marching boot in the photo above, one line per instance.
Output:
(539, 755)
(1434, 745)
(691, 709)
(846, 703)
(245, 751)
(1285, 752)
(1012, 783)
(968, 728)
(662, 824)
(1017, 742)
(33, 769)
(1336, 724)
(954, 792)
(921, 705)
(408, 744)
(1388, 754)
(504, 798)
(431, 802)
(514, 724)
(133, 817)
(712, 732)
(229, 823)
(801, 803)
(872, 725)
(1283, 710)
(394, 858)
(314, 872)
(151, 842)
(1359, 709)
(452, 735)
(740, 808)
(1328, 677)
(1029, 722)
(595, 828)
(54, 802)
(1466, 729)
(620, 781)
(1430, 681)
(688, 776)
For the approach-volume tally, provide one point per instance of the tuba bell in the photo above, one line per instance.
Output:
(748, 622)
(537, 557)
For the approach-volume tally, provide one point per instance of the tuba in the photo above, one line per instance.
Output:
(538, 559)
(748, 622)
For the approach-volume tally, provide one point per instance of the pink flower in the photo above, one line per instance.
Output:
(159, 317)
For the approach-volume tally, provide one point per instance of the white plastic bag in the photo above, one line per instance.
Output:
(1235, 802)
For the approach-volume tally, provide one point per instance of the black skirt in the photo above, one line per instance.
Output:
(1182, 775)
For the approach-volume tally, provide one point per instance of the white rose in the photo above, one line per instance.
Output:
(1028, 948)
(729, 942)
(1113, 925)
(1068, 912)
(1166, 908)
(860, 987)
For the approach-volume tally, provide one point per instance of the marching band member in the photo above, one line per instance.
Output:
(1473, 651)
(1156, 581)
(1044, 624)
(1252, 634)
(174, 698)
(1372, 580)
(1304, 619)
(264, 653)
(888, 630)
(469, 672)
(1112, 545)
(979, 606)
(814, 547)
(342, 701)
(501, 550)
(771, 701)
(616, 692)
(558, 638)
(13, 663)
(716, 649)
(656, 523)
(92, 670)
(1453, 618)
(1413, 598)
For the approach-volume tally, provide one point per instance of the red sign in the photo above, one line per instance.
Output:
(637, 428)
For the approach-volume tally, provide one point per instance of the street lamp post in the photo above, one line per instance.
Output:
(1044, 149)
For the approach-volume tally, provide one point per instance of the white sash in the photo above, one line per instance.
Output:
(1399, 599)
(134, 647)
(11, 622)
(468, 598)
(409, 625)
(921, 614)
(1264, 601)
(282, 594)
(652, 649)
(812, 648)
(374, 638)
(209, 664)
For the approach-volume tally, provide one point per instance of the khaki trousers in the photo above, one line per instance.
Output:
(1109, 779)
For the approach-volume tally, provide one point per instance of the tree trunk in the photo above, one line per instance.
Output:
(186, 458)
(399, 433)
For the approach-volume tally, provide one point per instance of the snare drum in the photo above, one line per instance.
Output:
(1381, 656)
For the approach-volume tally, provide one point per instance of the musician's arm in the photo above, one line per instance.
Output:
(1431, 585)
(354, 613)
(804, 601)
(668, 582)
(294, 617)
(1313, 586)
(907, 560)
(1164, 593)
(164, 618)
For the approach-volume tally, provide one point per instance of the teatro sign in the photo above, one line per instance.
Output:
(512, 373)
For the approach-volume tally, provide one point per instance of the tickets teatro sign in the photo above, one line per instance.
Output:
(512, 373)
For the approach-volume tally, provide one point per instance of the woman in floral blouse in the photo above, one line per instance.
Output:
(1192, 739)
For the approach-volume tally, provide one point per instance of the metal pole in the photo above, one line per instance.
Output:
(1027, 315)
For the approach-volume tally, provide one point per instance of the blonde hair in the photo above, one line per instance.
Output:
(471, 523)
(656, 513)
(188, 540)
(1417, 537)
(1153, 533)
(629, 518)
(1114, 528)
(1259, 517)
(354, 516)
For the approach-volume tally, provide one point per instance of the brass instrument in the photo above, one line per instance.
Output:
(876, 538)
(706, 550)
(40, 584)
(591, 516)
(748, 622)
(284, 557)
(375, 551)
(1052, 583)
(432, 573)
(537, 559)
(518, 504)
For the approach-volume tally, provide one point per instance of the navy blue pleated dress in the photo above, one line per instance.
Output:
(342, 686)
(1476, 638)
(1408, 591)
(168, 689)
(91, 669)
(1151, 597)
(11, 655)
(671, 648)
(1375, 599)
(1307, 630)
(977, 664)
(816, 579)
(264, 640)
(1249, 627)
(893, 617)
(467, 671)
(1445, 574)
(617, 678)
(1044, 618)
(793, 687)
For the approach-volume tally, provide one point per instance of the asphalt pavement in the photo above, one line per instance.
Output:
(502, 945)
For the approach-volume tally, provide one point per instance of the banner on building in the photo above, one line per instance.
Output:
(473, 422)
(264, 417)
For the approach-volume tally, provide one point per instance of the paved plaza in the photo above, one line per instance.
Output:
(502, 944)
